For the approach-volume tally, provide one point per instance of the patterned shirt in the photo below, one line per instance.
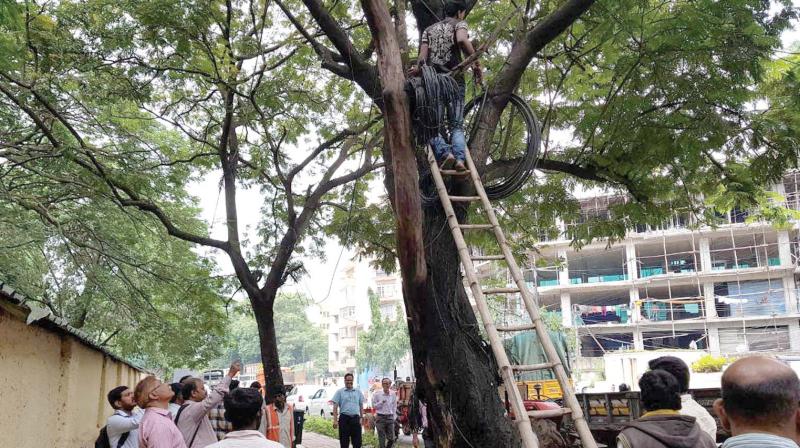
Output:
(443, 50)
(217, 418)
(350, 401)
(157, 430)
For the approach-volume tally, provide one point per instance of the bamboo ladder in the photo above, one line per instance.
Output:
(529, 297)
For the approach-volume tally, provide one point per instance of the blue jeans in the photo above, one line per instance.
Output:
(455, 118)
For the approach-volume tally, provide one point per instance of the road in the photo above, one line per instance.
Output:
(313, 440)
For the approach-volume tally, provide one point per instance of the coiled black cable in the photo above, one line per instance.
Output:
(430, 95)
(511, 183)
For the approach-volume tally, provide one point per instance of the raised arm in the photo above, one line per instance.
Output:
(219, 391)
(462, 39)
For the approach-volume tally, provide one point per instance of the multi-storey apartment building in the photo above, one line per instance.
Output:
(344, 314)
(347, 313)
(727, 289)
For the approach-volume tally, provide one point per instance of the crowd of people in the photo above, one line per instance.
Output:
(185, 415)
(758, 407)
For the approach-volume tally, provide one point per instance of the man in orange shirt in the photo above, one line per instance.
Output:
(279, 419)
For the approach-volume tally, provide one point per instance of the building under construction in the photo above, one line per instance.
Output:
(727, 289)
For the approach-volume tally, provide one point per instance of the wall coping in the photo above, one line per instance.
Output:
(34, 314)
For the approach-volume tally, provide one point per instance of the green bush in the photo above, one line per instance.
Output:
(709, 363)
(322, 426)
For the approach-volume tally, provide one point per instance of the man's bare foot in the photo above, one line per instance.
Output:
(460, 166)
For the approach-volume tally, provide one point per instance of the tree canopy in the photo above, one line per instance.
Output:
(111, 108)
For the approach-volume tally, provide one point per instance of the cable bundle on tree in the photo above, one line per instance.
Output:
(517, 109)
(430, 94)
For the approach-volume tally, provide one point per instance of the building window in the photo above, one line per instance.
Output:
(385, 290)
(389, 311)
(752, 339)
(348, 311)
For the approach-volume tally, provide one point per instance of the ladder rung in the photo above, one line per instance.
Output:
(488, 257)
(476, 226)
(549, 413)
(454, 172)
(500, 290)
(517, 327)
(531, 367)
(465, 198)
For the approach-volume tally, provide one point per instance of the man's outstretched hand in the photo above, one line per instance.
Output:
(235, 368)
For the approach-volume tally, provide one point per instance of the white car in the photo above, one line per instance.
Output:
(300, 396)
(322, 402)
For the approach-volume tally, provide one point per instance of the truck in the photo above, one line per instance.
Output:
(607, 412)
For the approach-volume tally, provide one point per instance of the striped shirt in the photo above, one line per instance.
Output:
(759, 440)
(157, 430)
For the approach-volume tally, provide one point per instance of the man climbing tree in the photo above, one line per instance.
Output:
(627, 82)
(440, 48)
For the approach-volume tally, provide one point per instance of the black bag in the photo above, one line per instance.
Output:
(104, 442)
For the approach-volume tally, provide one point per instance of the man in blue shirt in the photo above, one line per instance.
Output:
(351, 403)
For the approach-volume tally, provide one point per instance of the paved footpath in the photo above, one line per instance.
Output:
(314, 440)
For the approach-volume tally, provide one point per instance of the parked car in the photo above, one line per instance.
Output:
(300, 396)
(322, 402)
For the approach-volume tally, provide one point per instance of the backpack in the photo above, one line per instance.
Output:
(103, 441)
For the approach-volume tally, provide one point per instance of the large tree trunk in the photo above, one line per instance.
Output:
(265, 319)
(455, 370)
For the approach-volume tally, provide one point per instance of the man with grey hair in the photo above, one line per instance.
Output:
(759, 404)
(385, 404)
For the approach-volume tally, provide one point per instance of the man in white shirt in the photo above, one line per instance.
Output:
(122, 427)
(689, 407)
(243, 409)
(385, 404)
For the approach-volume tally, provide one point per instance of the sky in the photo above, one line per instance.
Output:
(322, 275)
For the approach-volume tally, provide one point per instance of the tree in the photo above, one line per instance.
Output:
(122, 102)
(663, 101)
(299, 341)
(100, 273)
(658, 99)
(385, 344)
